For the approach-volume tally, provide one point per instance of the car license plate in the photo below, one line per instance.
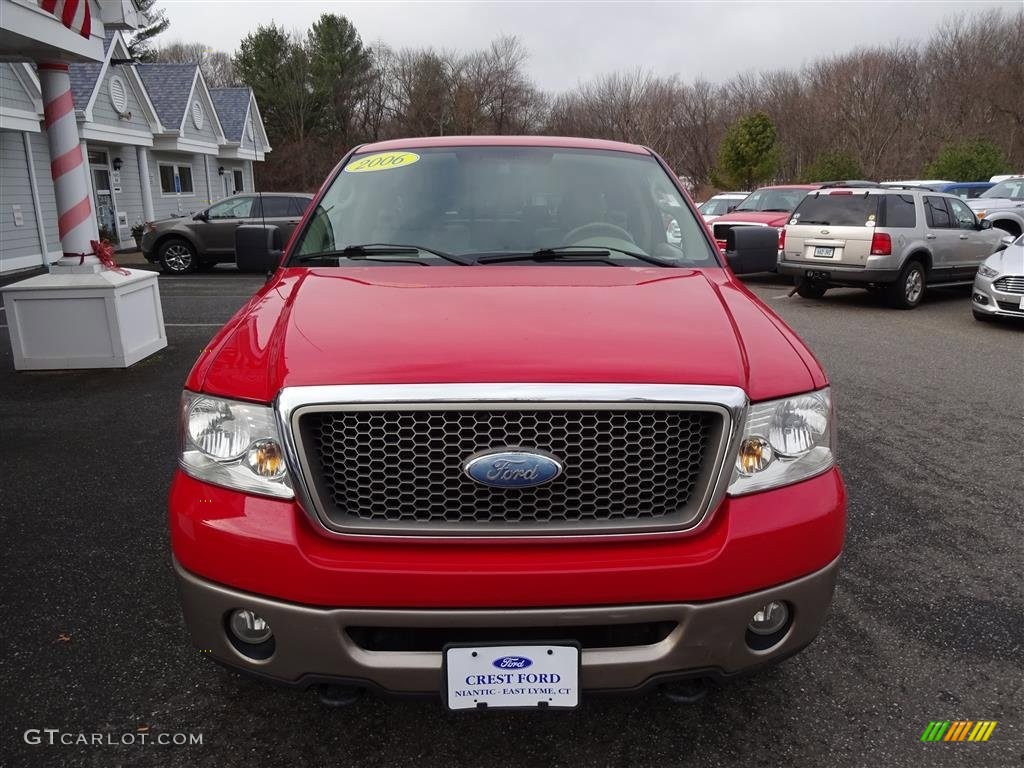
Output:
(821, 252)
(512, 676)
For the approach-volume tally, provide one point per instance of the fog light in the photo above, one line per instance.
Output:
(769, 619)
(755, 455)
(980, 299)
(249, 627)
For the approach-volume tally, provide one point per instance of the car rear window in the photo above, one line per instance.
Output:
(857, 210)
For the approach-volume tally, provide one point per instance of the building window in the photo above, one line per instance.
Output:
(176, 179)
(239, 185)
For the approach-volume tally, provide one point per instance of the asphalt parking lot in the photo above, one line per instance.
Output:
(926, 624)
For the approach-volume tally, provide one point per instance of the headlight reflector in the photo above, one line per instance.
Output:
(785, 441)
(214, 429)
(233, 444)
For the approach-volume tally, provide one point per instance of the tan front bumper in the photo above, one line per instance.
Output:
(312, 645)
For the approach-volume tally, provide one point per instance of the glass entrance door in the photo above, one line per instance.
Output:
(106, 211)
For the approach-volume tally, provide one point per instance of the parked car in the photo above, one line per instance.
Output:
(769, 207)
(486, 433)
(1004, 177)
(965, 190)
(720, 204)
(1003, 205)
(895, 241)
(764, 207)
(999, 284)
(185, 244)
(932, 184)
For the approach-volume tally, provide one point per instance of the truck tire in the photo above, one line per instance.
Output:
(909, 289)
(177, 256)
(809, 289)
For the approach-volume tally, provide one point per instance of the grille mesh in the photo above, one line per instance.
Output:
(402, 468)
(1010, 284)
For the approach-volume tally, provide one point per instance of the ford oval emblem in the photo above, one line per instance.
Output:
(512, 662)
(512, 468)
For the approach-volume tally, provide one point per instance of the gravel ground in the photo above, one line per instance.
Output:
(926, 624)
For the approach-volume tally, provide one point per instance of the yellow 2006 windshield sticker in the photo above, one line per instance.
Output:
(384, 161)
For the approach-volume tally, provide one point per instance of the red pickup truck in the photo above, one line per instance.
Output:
(486, 433)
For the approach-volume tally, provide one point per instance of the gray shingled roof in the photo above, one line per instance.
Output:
(231, 105)
(83, 76)
(168, 86)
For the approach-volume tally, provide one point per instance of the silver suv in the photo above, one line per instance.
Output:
(892, 241)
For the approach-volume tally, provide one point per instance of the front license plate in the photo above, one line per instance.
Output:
(512, 676)
(821, 252)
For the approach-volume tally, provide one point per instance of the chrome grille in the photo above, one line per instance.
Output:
(1010, 284)
(400, 470)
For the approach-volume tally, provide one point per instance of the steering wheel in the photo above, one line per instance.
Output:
(596, 229)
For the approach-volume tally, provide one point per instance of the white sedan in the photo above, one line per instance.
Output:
(999, 283)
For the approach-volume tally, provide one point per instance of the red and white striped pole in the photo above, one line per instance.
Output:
(76, 225)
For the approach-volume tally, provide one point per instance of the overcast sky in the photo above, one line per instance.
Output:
(571, 42)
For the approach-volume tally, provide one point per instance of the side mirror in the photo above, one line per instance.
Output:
(258, 247)
(752, 249)
(985, 224)
(1005, 242)
(730, 209)
(201, 216)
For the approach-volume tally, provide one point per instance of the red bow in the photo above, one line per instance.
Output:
(104, 251)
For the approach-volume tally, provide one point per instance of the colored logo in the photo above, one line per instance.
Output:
(512, 469)
(512, 662)
(383, 161)
(958, 730)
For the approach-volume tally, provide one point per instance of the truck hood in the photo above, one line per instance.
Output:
(770, 218)
(994, 203)
(1009, 261)
(398, 325)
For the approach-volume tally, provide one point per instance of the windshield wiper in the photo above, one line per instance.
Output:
(566, 252)
(371, 250)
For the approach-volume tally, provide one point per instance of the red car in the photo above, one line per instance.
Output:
(486, 433)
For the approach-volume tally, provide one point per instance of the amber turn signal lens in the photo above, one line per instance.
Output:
(755, 455)
(266, 459)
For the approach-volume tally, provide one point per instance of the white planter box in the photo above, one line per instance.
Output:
(98, 320)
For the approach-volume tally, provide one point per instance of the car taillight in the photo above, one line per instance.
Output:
(881, 244)
(782, 238)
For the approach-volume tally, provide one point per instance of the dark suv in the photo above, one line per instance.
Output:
(186, 244)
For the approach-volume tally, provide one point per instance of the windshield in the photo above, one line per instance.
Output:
(717, 206)
(781, 199)
(1011, 188)
(467, 202)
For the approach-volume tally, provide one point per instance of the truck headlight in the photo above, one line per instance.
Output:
(785, 441)
(233, 444)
